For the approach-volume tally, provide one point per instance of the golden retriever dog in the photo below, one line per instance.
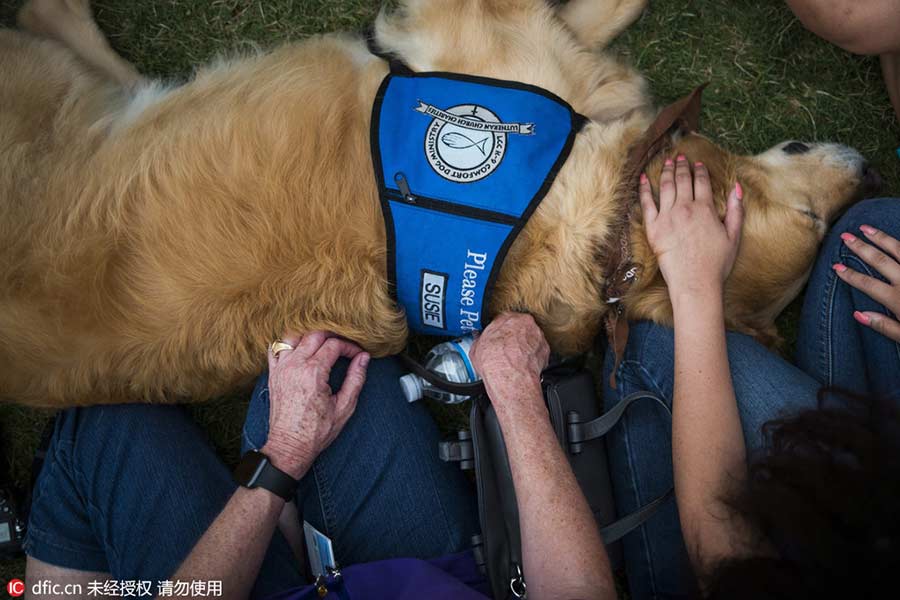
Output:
(154, 238)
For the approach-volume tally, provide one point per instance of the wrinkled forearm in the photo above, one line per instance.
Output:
(232, 549)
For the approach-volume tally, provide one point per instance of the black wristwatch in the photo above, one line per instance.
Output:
(255, 471)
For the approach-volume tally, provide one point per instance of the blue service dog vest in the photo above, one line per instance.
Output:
(461, 163)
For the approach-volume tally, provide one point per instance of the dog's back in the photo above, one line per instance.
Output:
(156, 239)
(48, 101)
(159, 251)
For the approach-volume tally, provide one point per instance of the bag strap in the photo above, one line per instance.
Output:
(619, 529)
(577, 433)
(475, 388)
(498, 510)
(462, 389)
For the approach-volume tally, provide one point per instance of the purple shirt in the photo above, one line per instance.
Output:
(454, 577)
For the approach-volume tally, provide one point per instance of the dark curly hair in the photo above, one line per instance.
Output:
(825, 497)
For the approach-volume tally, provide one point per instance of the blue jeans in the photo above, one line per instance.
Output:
(128, 490)
(833, 350)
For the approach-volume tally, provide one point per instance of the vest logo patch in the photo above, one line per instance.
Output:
(433, 299)
(467, 142)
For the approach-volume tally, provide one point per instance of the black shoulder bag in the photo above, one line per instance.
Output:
(574, 412)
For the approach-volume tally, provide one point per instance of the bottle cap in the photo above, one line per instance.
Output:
(412, 387)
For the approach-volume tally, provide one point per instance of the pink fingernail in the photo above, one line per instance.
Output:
(669, 162)
(644, 178)
(839, 267)
(698, 164)
(848, 237)
(862, 318)
(681, 157)
(738, 190)
(866, 229)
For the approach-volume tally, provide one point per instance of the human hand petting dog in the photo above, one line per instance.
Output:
(509, 356)
(305, 416)
(883, 255)
(695, 249)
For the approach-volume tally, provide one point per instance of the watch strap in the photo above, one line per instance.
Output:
(277, 481)
(269, 477)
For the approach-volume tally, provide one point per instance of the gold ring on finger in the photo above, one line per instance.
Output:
(278, 347)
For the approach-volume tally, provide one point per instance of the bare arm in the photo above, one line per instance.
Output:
(232, 549)
(707, 440)
(304, 418)
(859, 26)
(862, 27)
(696, 252)
(562, 553)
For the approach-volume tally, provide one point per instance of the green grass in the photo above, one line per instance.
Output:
(770, 81)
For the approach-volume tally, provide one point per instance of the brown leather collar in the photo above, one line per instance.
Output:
(619, 269)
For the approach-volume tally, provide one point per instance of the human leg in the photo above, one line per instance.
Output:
(861, 28)
(380, 491)
(128, 490)
(640, 448)
(832, 347)
(890, 68)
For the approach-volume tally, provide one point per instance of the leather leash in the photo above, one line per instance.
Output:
(620, 268)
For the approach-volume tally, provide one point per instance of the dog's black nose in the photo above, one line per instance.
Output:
(870, 180)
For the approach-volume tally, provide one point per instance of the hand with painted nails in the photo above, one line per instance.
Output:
(883, 255)
(695, 249)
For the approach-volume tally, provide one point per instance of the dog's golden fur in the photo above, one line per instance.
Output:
(154, 240)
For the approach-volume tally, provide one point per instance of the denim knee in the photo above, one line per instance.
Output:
(646, 363)
(883, 213)
(90, 429)
(256, 424)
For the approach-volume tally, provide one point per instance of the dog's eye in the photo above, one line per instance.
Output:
(796, 148)
(812, 216)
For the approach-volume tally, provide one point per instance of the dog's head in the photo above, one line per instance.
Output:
(793, 192)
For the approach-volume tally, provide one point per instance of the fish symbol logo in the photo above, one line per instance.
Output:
(461, 141)
(467, 142)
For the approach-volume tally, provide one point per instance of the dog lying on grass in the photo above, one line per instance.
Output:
(154, 239)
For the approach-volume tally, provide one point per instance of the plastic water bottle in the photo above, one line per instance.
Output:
(449, 360)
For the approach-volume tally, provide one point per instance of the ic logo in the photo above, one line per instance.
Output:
(433, 299)
(15, 587)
